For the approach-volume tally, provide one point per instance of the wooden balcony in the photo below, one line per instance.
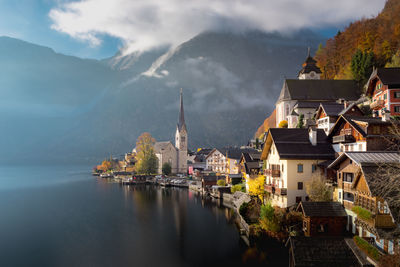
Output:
(345, 138)
(377, 104)
(273, 173)
(273, 189)
(378, 221)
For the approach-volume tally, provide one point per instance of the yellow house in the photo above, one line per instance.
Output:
(291, 157)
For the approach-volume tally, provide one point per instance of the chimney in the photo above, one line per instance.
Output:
(312, 134)
(385, 116)
(346, 104)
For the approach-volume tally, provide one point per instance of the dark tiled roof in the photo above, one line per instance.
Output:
(306, 104)
(332, 109)
(349, 107)
(322, 252)
(319, 90)
(295, 143)
(389, 76)
(371, 158)
(323, 209)
(236, 153)
(352, 120)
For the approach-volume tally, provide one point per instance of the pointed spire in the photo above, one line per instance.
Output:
(308, 53)
(181, 122)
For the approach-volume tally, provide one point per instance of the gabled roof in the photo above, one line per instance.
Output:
(159, 146)
(371, 158)
(355, 121)
(233, 152)
(331, 109)
(322, 209)
(319, 90)
(388, 76)
(349, 108)
(294, 143)
(306, 104)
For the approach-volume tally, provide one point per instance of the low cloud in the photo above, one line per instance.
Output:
(147, 24)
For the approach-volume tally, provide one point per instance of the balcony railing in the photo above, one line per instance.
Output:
(273, 173)
(273, 189)
(377, 104)
(345, 138)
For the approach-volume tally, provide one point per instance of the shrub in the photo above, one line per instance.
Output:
(367, 248)
(362, 213)
(166, 168)
(221, 182)
(243, 209)
(283, 124)
(237, 187)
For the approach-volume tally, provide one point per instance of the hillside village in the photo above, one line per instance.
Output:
(330, 156)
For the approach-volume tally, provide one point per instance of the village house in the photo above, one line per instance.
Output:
(291, 157)
(250, 165)
(384, 89)
(361, 176)
(360, 133)
(226, 160)
(302, 96)
(323, 218)
(328, 113)
(176, 155)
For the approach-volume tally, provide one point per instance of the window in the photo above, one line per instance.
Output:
(340, 195)
(376, 129)
(396, 94)
(313, 168)
(300, 185)
(348, 177)
(348, 196)
(298, 199)
(385, 96)
(283, 167)
(397, 109)
(299, 168)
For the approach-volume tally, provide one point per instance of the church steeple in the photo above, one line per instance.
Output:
(309, 70)
(181, 122)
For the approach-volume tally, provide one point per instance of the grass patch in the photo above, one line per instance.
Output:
(370, 250)
(362, 213)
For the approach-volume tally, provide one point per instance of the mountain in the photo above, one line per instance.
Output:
(380, 35)
(65, 108)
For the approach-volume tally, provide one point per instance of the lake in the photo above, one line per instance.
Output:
(62, 216)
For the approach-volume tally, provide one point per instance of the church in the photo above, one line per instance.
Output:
(176, 155)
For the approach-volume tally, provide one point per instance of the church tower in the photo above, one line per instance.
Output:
(310, 70)
(181, 140)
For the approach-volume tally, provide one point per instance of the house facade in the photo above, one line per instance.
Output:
(360, 176)
(355, 133)
(384, 89)
(291, 158)
(216, 161)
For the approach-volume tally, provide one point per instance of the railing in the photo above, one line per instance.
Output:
(345, 138)
(273, 173)
(377, 104)
(274, 189)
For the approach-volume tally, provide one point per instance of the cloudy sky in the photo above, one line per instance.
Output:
(98, 28)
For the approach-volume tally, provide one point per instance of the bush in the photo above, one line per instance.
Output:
(237, 187)
(166, 168)
(221, 182)
(283, 124)
(367, 248)
(362, 213)
(243, 209)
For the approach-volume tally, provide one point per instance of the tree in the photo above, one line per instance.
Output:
(361, 66)
(256, 186)
(317, 190)
(166, 168)
(283, 124)
(300, 124)
(395, 61)
(147, 160)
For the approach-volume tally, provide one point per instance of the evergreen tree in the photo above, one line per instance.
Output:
(166, 168)
(361, 66)
(300, 124)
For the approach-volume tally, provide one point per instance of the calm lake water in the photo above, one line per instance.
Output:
(62, 216)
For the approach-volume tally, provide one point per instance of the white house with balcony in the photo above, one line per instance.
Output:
(292, 157)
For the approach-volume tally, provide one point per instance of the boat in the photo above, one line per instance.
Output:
(106, 175)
